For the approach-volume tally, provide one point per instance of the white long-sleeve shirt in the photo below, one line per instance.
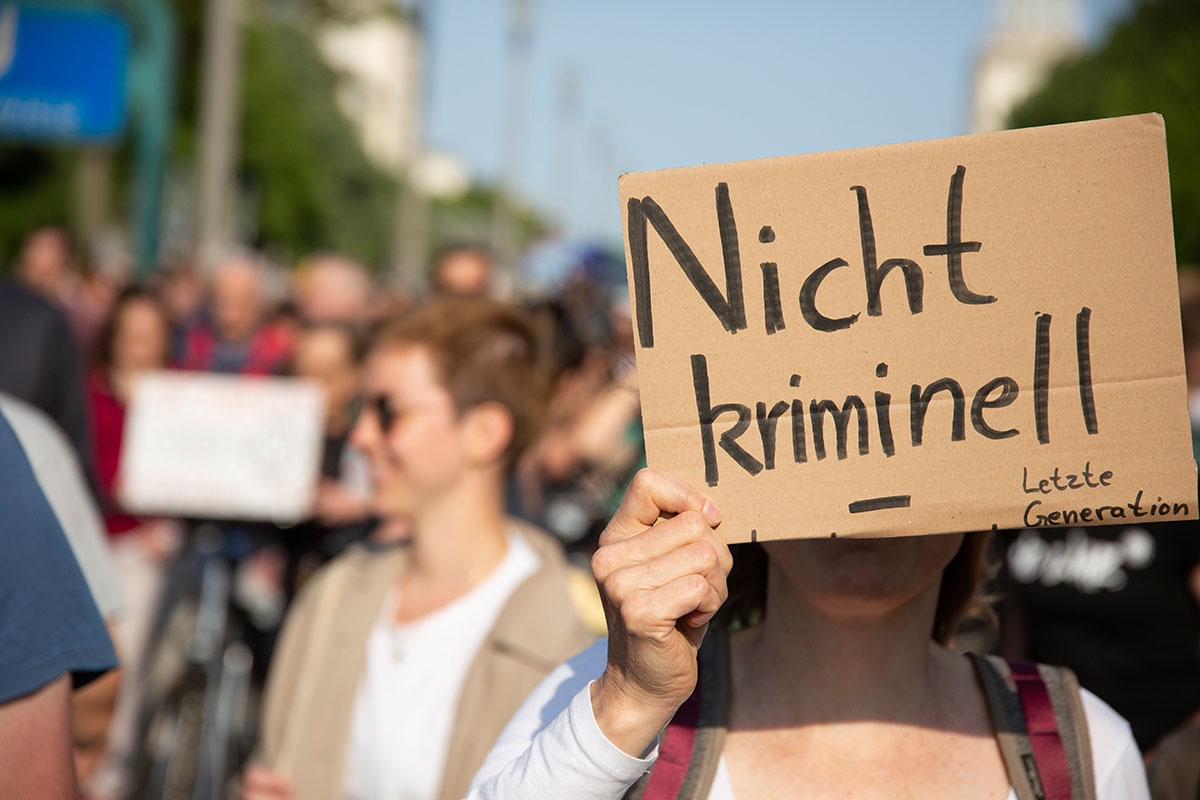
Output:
(553, 748)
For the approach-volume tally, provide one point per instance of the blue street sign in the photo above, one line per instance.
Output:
(62, 72)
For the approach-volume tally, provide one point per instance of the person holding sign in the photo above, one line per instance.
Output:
(398, 667)
(846, 687)
(880, 348)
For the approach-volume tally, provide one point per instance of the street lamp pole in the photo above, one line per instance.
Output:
(505, 228)
(219, 106)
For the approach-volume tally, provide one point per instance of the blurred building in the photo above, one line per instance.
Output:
(377, 50)
(1029, 38)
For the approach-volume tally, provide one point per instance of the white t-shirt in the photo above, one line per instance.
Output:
(408, 695)
(61, 477)
(553, 747)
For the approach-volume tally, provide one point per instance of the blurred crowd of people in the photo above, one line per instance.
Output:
(474, 448)
(314, 322)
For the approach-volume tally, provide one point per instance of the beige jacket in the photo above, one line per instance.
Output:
(320, 658)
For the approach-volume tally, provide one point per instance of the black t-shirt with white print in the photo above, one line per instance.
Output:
(1113, 603)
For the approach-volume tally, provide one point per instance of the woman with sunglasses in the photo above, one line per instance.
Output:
(398, 668)
(839, 678)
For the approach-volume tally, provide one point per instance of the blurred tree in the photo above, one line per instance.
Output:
(301, 157)
(307, 183)
(1150, 62)
(37, 191)
(469, 218)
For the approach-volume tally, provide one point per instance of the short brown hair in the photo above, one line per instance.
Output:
(961, 595)
(484, 351)
(102, 345)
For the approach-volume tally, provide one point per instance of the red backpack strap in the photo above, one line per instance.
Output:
(692, 742)
(1040, 727)
(675, 751)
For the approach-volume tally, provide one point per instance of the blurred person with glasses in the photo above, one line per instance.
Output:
(398, 668)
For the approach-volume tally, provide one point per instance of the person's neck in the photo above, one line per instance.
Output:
(461, 537)
(812, 668)
(120, 383)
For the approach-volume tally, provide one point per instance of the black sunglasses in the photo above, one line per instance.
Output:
(381, 405)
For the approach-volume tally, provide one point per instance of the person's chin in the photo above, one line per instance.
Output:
(387, 506)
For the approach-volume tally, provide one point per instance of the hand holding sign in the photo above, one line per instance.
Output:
(661, 569)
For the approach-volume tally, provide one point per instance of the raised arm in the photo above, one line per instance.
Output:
(661, 568)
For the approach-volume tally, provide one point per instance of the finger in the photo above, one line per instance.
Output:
(706, 610)
(698, 558)
(655, 613)
(687, 529)
(650, 494)
(270, 793)
(264, 779)
(699, 618)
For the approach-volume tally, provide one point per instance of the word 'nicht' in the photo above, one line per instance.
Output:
(729, 308)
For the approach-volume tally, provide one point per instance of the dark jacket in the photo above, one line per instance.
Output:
(40, 363)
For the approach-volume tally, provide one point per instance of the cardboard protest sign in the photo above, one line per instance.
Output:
(215, 446)
(920, 338)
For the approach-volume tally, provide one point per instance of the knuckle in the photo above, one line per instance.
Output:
(643, 479)
(704, 557)
(725, 554)
(696, 585)
(602, 563)
(637, 609)
(612, 586)
(691, 524)
(609, 534)
(711, 604)
(721, 588)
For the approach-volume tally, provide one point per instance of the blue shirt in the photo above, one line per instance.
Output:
(49, 623)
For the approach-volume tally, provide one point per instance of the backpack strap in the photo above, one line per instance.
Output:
(1040, 727)
(692, 742)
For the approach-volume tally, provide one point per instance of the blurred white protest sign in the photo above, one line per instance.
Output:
(222, 447)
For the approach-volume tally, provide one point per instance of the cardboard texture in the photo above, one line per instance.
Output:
(224, 447)
(921, 338)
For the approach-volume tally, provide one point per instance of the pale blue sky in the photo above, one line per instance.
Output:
(665, 83)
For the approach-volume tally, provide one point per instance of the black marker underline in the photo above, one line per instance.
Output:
(880, 503)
